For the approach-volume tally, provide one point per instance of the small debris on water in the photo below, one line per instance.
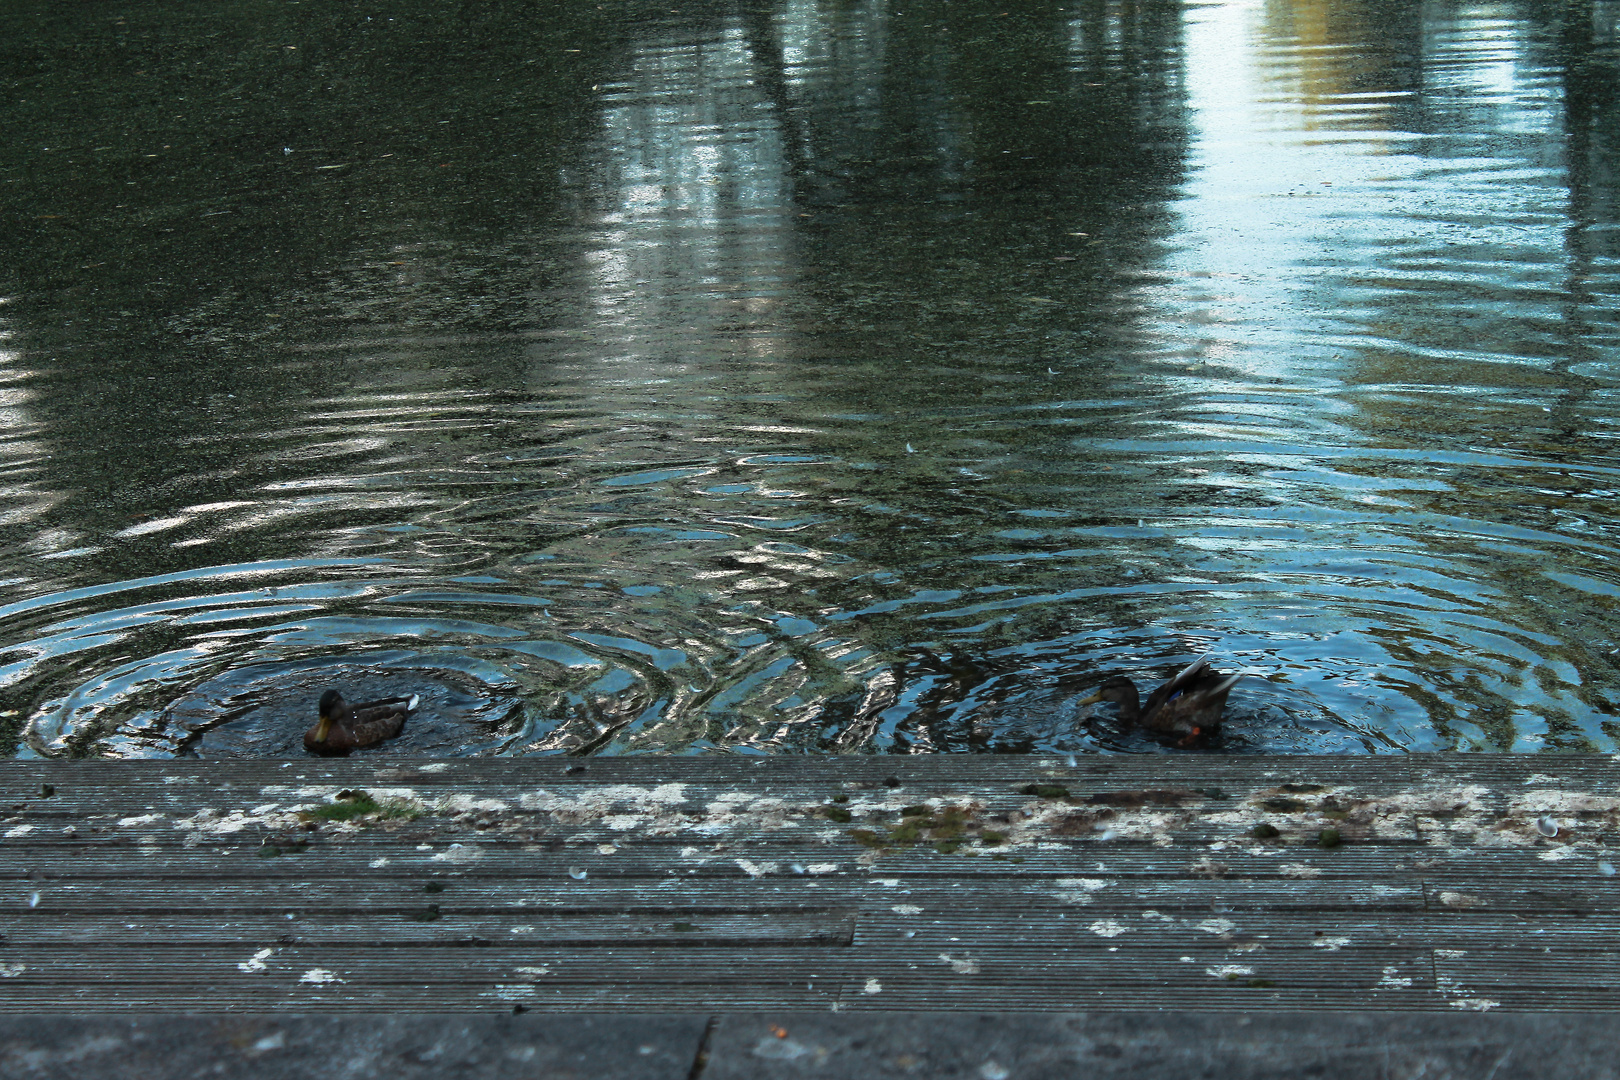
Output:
(577, 873)
(1264, 831)
(990, 1070)
(1606, 869)
(1328, 838)
(1546, 826)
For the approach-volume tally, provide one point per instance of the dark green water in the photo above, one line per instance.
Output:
(809, 377)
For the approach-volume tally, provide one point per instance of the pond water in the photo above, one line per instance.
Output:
(800, 376)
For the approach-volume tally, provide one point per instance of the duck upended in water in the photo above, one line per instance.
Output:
(1189, 705)
(342, 726)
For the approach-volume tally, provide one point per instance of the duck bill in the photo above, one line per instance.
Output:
(1092, 700)
(323, 728)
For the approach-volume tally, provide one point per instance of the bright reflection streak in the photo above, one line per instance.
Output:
(695, 167)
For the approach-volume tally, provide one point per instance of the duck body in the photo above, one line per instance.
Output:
(1189, 706)
(343, 727)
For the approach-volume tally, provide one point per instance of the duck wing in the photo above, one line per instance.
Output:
(1193, 699)
(374, 721)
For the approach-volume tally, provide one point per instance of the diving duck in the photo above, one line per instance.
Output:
(342, 726)
(1189, 705)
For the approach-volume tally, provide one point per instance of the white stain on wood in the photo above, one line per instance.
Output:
(960, 965)
(256, 962)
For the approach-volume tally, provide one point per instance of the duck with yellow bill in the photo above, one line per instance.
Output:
(343, 727)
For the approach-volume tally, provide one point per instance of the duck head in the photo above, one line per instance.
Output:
(332, 707)
(1121, 691)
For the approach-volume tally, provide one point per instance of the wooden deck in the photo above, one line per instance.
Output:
(745, 884)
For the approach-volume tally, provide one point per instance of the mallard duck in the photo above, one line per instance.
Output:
(1188, 705)
(342, 726)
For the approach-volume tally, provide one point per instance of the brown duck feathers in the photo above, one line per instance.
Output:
(343, 727)
(1189, 705)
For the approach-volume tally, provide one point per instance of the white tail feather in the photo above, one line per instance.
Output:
(416, 699)
(1190, 668)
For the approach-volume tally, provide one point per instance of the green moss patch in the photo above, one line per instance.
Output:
(946, 828)
(350, 804)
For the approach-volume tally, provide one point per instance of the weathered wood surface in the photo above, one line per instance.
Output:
(682, 884)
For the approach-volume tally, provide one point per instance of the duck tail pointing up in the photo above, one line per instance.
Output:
(1191, 668)
(410, 706)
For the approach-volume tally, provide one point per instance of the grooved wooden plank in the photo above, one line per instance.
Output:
(606, 997)
(776, 860)
(671, 929)
(1194, 932)
(1172, 881)
(630, 997)
(1491, 969)
(158, 897)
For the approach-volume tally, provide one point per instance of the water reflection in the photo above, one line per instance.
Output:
(810, 377)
